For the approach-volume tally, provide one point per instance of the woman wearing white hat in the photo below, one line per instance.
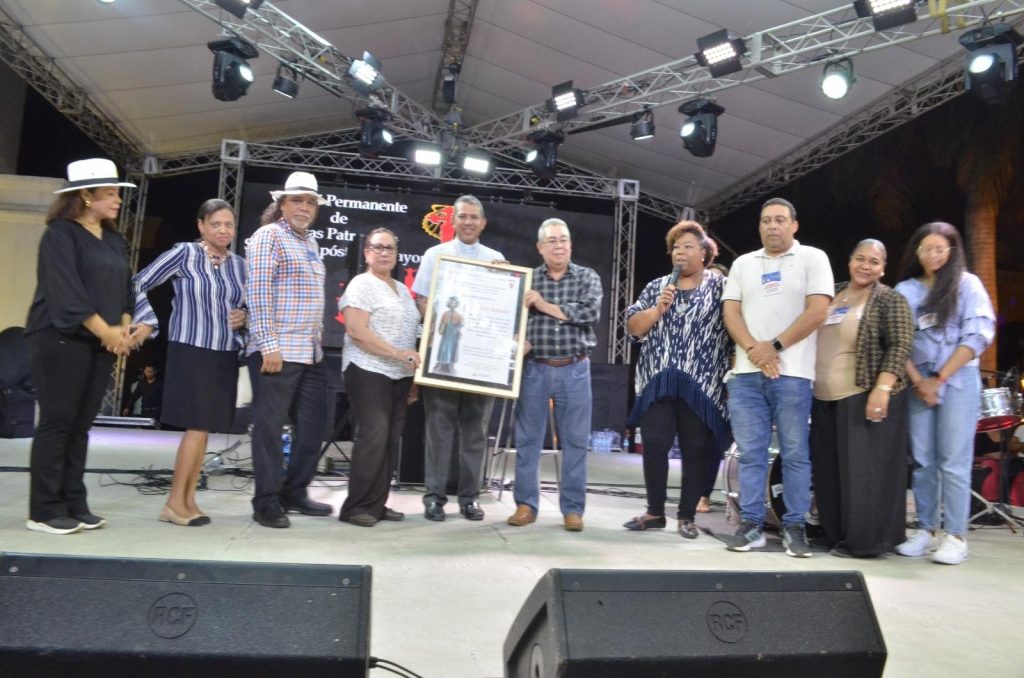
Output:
(79, 319)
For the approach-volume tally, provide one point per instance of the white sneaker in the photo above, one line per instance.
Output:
(918, 544)
(952, 551)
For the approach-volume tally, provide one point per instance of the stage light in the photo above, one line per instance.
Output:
(543, 157)
(565, 101)
(642, 126)
(991, 64)
(837, 78)
(476, 162)
(449, 81)
(286, 82)
(700, 131)
(374, 135)
(886, 14)
(425, 153)
(232, 73)
(365, 74)
(238, 7)
(720, 53)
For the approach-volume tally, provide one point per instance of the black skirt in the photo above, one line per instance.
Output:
(199, 388)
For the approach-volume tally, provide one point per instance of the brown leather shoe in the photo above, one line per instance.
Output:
(523, 516)
(574, 522)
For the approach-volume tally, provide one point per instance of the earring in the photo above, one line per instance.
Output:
(88, 203)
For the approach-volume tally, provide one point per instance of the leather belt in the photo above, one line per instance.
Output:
(561, 362)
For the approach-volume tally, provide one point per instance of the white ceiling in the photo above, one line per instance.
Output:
(145, 63)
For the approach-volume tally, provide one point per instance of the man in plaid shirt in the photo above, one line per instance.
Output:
(285, 297)
(564, 304)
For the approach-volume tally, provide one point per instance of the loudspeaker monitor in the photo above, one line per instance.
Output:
(85, 616)
(611, 623)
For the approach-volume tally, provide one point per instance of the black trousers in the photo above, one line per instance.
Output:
(378, 404)
(70, 376)
(661, 423)
(860, 473)
(297, 395)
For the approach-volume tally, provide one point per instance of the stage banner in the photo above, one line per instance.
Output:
(422, 221)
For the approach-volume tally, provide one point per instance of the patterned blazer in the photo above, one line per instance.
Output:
(885, 337)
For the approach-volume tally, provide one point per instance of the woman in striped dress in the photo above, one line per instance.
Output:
(201, 373)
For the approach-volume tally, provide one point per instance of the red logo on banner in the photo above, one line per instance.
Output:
(438, 222)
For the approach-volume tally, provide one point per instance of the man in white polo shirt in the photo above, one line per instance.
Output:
(773, 303)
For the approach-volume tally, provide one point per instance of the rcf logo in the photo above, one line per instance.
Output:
(727, 622)
(438, 222)
(173, 615)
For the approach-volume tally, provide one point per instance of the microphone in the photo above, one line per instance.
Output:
(674, 278)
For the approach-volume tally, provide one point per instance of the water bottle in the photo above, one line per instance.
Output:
(638, 441)
(286, 446)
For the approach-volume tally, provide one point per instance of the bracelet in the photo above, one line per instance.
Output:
(884, 387)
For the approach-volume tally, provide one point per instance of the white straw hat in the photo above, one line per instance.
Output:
(300, 183)
(92, 173)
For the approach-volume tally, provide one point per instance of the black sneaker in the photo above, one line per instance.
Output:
(794, 538)
(89, 521)
(748, 536)
(472, 511)
(434, 511)
(64, 525)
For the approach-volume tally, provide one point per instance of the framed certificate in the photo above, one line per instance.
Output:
(474, 327)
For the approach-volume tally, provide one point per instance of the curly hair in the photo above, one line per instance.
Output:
(692, 227)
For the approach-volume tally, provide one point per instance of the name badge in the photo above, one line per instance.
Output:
(771, 283)
(837, 316)
(926, 320)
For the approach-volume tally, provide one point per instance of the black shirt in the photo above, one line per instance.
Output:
(79, 275)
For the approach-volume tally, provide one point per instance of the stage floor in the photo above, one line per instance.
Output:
(445, 594)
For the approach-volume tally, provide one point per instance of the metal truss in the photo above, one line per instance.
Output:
(457, 27)
(289, 42)
(931, 91)
(790, 47)
(623, 264)
(41, 72)
(130, 222)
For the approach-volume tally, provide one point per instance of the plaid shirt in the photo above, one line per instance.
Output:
(285, 294)
(578, 293)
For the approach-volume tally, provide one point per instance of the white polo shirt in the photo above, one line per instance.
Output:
(772, 292)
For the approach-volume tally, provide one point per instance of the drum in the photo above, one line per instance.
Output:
(999, 410)
(774, 504)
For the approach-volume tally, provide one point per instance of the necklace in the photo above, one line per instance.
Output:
(860, 296)
(215, 259)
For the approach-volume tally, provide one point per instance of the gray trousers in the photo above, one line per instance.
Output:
(450, 414)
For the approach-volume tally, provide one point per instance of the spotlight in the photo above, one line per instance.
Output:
(837, 79)
(720, 53)
(991, 65)
(886, 14)
(565, 101)
(286, 83)
(476, 162)
(238, 7)
(643, 125)
(700, 131)
(232, 73)
(365, 74)
(425, 153)
(374, 136)
(543, 157)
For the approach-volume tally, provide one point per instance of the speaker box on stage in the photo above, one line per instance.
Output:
(611, 623)
(83, 617)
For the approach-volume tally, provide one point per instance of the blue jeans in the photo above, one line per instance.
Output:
(755, 403)
(569, 386)
(942, 441)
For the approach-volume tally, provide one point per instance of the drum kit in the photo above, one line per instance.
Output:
(1000, 412)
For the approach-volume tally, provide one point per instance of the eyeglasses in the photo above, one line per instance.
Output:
(383, 249)
(551, 242)
(929, 251)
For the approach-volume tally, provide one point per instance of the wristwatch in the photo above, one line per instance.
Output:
(777, 345)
